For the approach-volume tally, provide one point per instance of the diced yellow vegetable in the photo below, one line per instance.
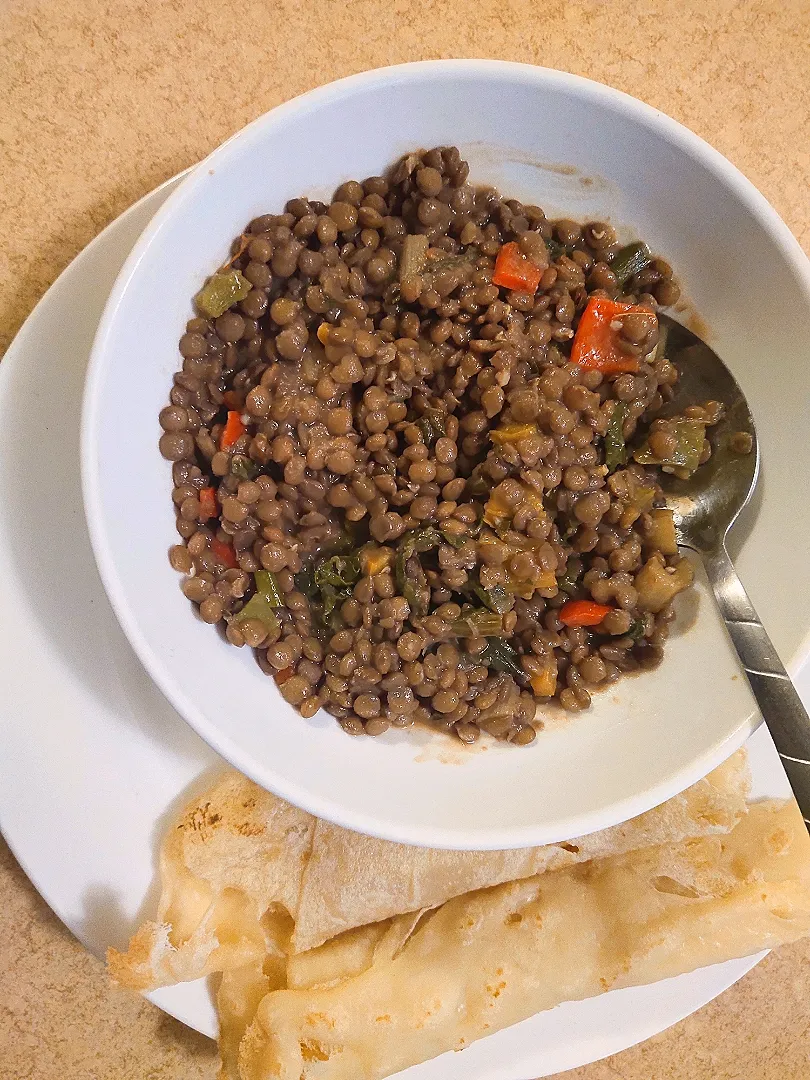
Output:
(629, 515)
(512, 433)
(542, 675)
(494, 551)
(323, 332)
(374, 560)
(660, 533)
(544, 683)
(642, 498)
(498, 519)
(533, 498)
(546, 579)
(658, 583)
(497, 511)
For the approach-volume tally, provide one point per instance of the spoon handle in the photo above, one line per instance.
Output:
(776, 695)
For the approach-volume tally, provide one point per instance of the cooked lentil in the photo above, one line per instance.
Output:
(741, 442)
(414, 442)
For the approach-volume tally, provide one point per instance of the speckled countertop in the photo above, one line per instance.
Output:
(104, 99)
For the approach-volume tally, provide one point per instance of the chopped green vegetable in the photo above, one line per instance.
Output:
(477, 623)
(220, 292)
(685, 458)
(335, 578)
(497, 599)
(305, 582)
(615, 448)
(331, 597)
(636, 631)
(414, 256)
(453, 262)
(391, 297)
(259, 607)
(243, 467)
(410, 577)
(661, 347)
(455, 540)
(569, 582)
(473, 531)
(449, 262)
(423, 539)
(346, 542)
(555, 248)
(630, 260)
(432, 425)
(417, 591)
(268, 587)
(478, 487)
(501, 656)
(340, 571)
(328, 582)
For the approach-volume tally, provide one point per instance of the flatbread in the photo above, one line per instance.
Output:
(232, 862)
(493, 957)
(351, 880)
(238, 853)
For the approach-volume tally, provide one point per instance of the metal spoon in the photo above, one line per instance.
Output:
(705, 507)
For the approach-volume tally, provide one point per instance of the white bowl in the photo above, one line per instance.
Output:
(576, 148)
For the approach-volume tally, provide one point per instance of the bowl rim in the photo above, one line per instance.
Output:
(264, 774)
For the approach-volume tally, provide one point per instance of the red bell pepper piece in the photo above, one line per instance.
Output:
(233, 431)
(596, 344)
(224, 553)
(514, 270)
(208, 503)
(583, 613)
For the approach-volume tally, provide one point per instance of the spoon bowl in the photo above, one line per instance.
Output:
(707, 504)
(704, 507)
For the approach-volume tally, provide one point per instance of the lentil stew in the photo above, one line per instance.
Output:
(415, 441)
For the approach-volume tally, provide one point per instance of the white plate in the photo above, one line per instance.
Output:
(94, 760)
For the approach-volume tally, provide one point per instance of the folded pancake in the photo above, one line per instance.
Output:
(344, 957)
(351, 880)
(491, 958)
(230, 871)
(239, 857)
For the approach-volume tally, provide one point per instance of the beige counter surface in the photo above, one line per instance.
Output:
(104, 99)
